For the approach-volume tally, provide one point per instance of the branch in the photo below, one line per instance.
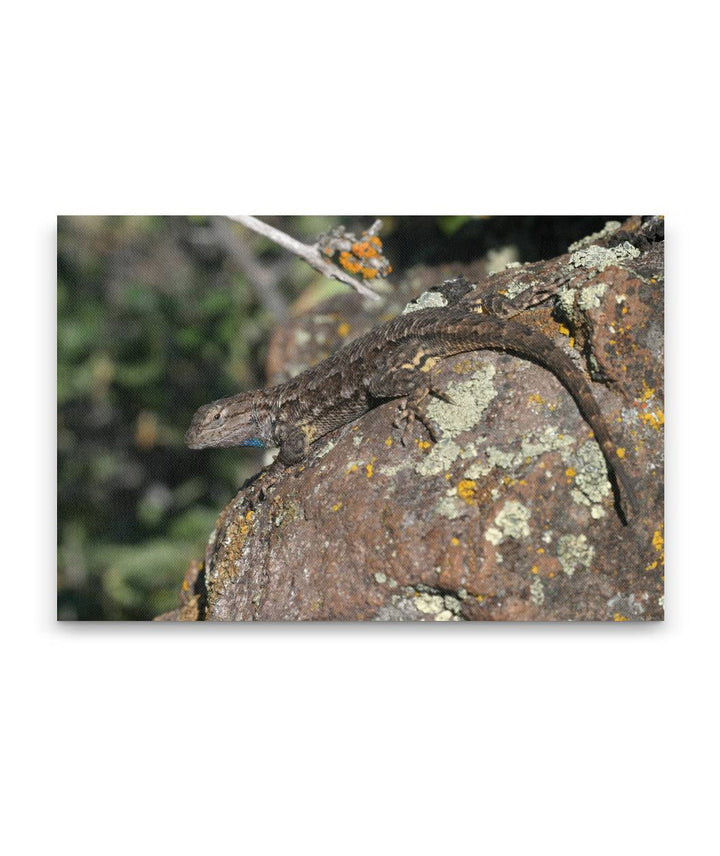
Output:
(308, 252)
(264, 278)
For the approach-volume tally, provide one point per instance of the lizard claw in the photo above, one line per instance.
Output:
(407, 414)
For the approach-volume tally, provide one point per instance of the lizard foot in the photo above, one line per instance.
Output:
(408, 412)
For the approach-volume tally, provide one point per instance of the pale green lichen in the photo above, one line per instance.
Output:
(493, 535)
(601, 257)
(549, 440)
(470, 398)
(430, 604)
(439, 459)
(537, 592)
(574, 552)
(591, 478)
(513, 520)
(426, 300)
(591, 295)
(476, 470)
(510, 522)
(566, 300)
(451, 506)
(421, 603)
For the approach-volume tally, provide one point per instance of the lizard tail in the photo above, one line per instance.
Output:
(535, 347)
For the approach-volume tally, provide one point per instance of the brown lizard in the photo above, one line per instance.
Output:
(391, 361)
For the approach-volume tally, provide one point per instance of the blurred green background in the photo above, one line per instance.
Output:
(158, 315)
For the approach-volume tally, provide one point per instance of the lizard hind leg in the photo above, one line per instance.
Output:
(407, 378)
(409, 410)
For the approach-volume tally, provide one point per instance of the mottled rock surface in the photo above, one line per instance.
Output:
(510, 516)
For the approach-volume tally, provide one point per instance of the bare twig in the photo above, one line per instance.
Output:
(308, 252)
(263, 277)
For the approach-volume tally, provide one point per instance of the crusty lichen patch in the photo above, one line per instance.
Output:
(510, 522)
(537, 592)
(420, 603)
(439, 459)
(426, 300)
(591, 484)
(591, 295)
(574, 552)
(602, 257)
(548, 440)
(470, 398)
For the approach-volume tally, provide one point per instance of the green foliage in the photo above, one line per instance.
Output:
(149, 328)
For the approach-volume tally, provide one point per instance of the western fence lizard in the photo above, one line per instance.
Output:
(391, 361)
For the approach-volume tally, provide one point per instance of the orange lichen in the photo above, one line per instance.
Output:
(654, 420)
(467, 490)
(657, 540)
(367, 249)
(343, 329)
(349, 262)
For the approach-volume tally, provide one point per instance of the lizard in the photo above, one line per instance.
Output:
(391, 361)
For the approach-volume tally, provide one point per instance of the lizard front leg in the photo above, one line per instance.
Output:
(294, 446)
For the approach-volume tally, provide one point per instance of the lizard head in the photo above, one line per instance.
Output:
(234, 421)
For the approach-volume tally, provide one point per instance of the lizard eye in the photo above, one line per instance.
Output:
(216, 416)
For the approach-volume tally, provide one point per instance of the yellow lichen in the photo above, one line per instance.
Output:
(570, 472)
(658, 541)
(455, 541)
(467, 490)
(388, 442)
(619, 617)
(654, 420)
(620, 452)
(343, 329)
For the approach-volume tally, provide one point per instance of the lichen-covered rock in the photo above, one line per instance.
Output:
(510, 515)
